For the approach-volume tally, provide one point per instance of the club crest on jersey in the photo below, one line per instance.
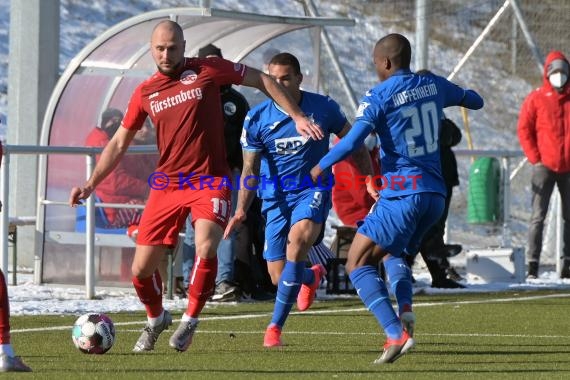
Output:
(237, 66)
(289, 145)
(361, 109)
(230, 108)
(188, 77)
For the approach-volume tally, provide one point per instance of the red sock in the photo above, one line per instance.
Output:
(405, 308)
(149, 291)
(4, 312)
(202, 281)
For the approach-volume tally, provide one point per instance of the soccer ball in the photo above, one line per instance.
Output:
(93, 333)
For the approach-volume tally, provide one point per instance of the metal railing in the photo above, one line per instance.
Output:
(505, 157)
(90, 153)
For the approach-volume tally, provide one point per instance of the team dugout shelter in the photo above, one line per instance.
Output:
(103, 75)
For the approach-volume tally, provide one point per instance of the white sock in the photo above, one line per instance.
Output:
(153, 322)
(186, 318)
(7, 350)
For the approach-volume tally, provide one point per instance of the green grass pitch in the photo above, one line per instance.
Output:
(513, 335)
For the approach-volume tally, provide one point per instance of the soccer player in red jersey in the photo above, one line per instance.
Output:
(183, 101)
(9, 362)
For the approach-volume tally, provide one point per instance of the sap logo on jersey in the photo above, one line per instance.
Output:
(188, 77)
(289, 145)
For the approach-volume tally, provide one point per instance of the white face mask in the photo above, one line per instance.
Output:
(370, 141)
(558, 80)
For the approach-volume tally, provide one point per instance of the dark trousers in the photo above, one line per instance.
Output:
(433, 242)
(542, 185)
(432, 245)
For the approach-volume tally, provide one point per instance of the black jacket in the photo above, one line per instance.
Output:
(235, 108)
(450, 136)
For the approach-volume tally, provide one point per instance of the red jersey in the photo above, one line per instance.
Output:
(350, 198)
(186, 113)
(125, 184)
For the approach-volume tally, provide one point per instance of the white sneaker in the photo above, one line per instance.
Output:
(394, 348)
(182, 337)
(150, 334)
(12, 364)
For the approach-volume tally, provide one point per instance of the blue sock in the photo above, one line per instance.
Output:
(308, 276)
(287, 291)
(400, 276)
(374, 294)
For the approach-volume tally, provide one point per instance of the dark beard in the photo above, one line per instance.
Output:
(172, 73)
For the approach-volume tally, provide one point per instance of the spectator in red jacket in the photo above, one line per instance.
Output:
(122, 185)
(351, 201)
(544, 135)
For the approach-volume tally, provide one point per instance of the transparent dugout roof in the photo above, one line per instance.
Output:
(108, 69)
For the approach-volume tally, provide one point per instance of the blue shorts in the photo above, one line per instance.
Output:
(282, 214)
(399, 224)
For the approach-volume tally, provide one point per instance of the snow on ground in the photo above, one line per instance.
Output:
(82, 21)
(26, 298)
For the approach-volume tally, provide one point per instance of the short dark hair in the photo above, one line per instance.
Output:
(208, 50)
(424, 72)
(109, 114)
(396, 47)
(269, 53)
(286, 59)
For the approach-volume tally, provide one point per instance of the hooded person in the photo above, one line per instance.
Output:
(111, 121)
(543, 122)
(557, 73)
(210, 50)
(122, 185)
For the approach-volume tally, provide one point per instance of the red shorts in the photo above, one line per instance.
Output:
(166, 211)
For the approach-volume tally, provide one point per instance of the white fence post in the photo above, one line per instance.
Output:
(90, 236)
(506, 178)
(4, 220)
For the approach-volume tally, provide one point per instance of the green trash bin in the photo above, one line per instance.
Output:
(483, 206)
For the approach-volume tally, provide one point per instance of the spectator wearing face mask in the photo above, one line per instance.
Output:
(544, 135)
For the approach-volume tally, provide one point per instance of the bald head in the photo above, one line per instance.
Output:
(167, 46)
(169, 27)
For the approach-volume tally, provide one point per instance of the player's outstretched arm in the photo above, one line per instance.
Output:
(247, 190)
(304, 125)
(472, 100)
(348, 144)
(360, 155)
(110, 157)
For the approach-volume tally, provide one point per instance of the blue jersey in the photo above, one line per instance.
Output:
(286, 157)
(405, 111)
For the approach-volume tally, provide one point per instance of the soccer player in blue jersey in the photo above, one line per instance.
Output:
(277, 164)
(405, 110)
